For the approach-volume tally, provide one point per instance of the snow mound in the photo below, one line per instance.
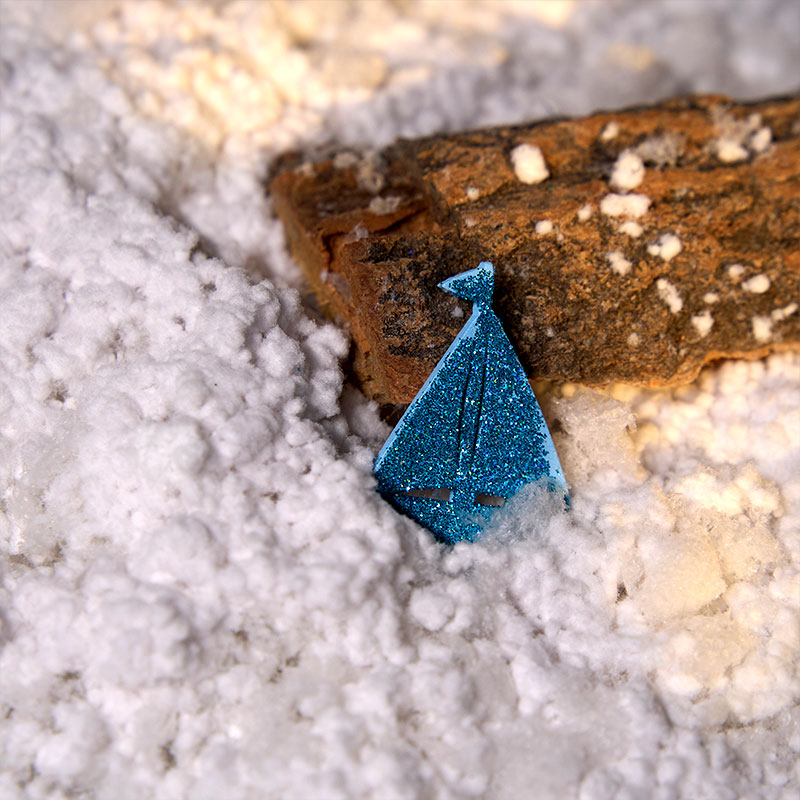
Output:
(201, 594)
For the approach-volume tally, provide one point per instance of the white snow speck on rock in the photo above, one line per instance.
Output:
(740, 138)
(703, 323)
(201, 594)
(729, 151)
(585, 212)
(543, 227)
(357, 233)
(735, 271)
(760, 140)
(625, 205)
(780, 314)
(758, 284)
(628, 172)
(384, 205)
(610, 131)
(630, 228)
(528, 163)
(345, 159)
(763, 324)
(669, 294)
(762, 328)
(667, 247)
(661, 149)
(617, 261)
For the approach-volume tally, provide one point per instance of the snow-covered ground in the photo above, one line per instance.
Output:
(201, 595)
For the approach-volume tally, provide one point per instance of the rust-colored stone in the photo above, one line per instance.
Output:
(375, 233)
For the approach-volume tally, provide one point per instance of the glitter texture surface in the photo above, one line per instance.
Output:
(474, 435)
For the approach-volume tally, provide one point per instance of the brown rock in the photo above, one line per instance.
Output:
(375, 233)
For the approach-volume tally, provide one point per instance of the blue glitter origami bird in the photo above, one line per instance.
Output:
(474, 435)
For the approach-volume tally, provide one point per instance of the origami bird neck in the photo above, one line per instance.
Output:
(476, 285)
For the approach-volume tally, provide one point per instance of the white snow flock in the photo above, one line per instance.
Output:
(201, 593)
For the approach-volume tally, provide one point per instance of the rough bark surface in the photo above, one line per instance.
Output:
(375, 232)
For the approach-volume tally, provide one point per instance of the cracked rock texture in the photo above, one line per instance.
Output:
(718, 182)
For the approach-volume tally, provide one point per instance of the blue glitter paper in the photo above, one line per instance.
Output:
(474, 435)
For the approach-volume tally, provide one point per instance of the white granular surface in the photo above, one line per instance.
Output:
(201, 594)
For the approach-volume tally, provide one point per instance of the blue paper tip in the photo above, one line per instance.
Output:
(476, 285)
(474, 435)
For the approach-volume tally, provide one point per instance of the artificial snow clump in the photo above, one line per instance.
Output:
(760, 140)
(667, 247)
(628, 172)
(617, 261)
(780, 314)
(735, 271)
(384, 205)
(703, 322)
(528, 163)
(610, 131)
(630, 228)
(661, 149)
(625, 205)
(758, 284)
(669, 294)
(762, 327)
(740, 138)
(729, 151)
